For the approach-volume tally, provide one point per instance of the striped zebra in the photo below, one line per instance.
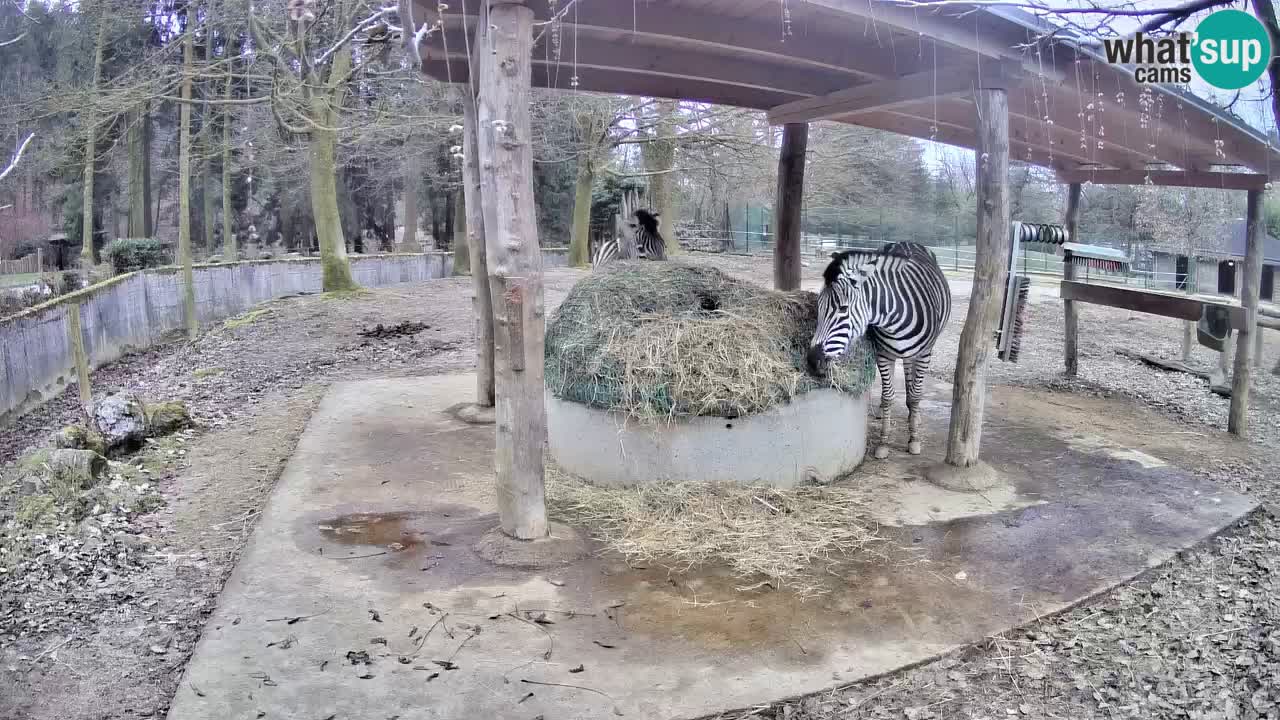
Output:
(648, 240)
(900, 299)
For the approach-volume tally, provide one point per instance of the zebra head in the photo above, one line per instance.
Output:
(642, 230)
(843, 308)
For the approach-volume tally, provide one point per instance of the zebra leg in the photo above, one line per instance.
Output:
(913, 374)
(885, 364)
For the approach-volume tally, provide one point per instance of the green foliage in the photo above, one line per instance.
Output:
(130, 254)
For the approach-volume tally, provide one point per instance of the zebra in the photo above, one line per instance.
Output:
(899, 297)
(649, 242)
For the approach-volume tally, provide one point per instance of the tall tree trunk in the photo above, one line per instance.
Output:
(590, 126)
(660, 156)
(184, 185)
(515, 270)
(579, 252)
(412, 183)
(1071, 358)
(229, 249)
(324, 207)
(326, 102)
(210, 213)
(461, 253)
(968, 394)
(790, 199)
(435, 219)
(477, 246)
(208, 180)
(139, 142)
(449, 205)
(1250, 284)
(91, 147)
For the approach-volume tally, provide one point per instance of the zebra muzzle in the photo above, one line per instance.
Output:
(816, 360)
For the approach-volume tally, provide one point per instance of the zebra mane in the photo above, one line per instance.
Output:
(904, 250)
(648, 221)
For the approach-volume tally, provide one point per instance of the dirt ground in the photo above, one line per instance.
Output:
(102, 630)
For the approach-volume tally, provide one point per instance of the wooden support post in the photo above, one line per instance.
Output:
(1238, 416)
(75, 333)
(989, 272)
(482, 302)
(514, 266)
(1257, 345)
(1070, 352)
(790, 197)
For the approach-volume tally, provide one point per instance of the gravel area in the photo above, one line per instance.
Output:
(102, 628)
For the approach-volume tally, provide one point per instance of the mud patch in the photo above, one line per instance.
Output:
(393, 531)
(406, 328)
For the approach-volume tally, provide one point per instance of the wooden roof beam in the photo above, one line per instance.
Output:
(942, 29)
(887, 93)
(954, 132)
(706, 31)
(1166, 178)
(629, 55)
(619, 82)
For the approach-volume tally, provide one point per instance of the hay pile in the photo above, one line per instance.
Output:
(787, 537)
(660, 340)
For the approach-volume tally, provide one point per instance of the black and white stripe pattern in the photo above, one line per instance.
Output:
(649, 242)
(899, 298)
(605, 254)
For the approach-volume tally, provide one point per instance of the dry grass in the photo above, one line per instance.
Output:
(787, 537)
(660, 340)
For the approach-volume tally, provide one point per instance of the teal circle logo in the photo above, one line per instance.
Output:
(1232, 49)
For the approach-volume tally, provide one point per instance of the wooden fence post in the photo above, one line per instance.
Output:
(1238, 415)
(989, 272)
(482, 302)
(514, 266)
(790, 197)
(75, 334)
(1070, 352)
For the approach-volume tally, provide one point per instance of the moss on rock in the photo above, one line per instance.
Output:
(167, 417)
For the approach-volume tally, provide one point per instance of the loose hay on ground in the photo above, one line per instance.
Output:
(660, 340)
(787, 536)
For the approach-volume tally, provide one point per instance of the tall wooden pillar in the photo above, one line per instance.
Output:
(1238, 416)
(790, 198)
(989, 277)
(514, 266)
(482, 303)
(1070, 353)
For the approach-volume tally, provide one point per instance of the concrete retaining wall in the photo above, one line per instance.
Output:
(819, 435)
(137, 309)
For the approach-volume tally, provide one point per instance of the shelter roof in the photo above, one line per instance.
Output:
(908, 70)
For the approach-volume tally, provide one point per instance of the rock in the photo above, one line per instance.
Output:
(77, 469)
(76, 437)
(265, 256)
(122, 420)
(166, 417)
(215, 259)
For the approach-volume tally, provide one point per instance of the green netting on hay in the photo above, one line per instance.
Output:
(657, 340)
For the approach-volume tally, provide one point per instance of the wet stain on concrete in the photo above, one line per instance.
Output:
(394, 531)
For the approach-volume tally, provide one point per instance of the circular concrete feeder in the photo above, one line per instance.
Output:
(819, 435)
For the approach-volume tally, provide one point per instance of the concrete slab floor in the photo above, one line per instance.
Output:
(367, 538)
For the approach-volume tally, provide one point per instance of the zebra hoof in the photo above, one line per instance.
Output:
(913, 447)
(882, 452)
